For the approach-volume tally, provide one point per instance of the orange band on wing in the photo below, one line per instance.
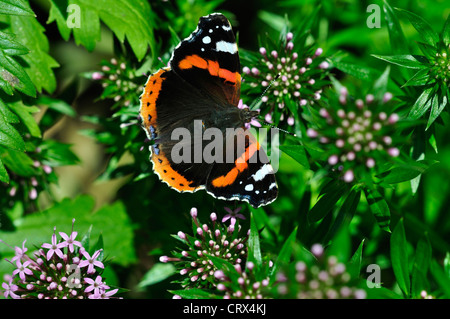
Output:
(212, 67)
(162, 167)
(149, 97)
(241, 164)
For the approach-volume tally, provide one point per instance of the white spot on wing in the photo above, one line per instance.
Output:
(226, 27)
(273, 185)
(206, 40)
(226, 47)
(262, 172)
(249, 187)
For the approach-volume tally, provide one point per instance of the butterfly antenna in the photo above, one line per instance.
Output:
(259, 99)
(279, 129)
(266, 89)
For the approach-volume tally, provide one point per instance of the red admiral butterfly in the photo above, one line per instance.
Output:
(203, 83)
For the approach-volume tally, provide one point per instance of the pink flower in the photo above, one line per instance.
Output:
(96, 285)
(22, 269)
(54, 247)
(10, 288)
(70, 241)
(91, 261)
(20, 252)
(232, 214)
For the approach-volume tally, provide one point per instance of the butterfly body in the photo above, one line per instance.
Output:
(197, 93)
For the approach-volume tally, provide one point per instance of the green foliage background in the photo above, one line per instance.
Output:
(53, 114)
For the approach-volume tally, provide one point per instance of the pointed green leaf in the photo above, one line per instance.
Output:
(24, 113)
(381, 84)
(194, 293)
(341, 245)
(4, 177)
(15, 7)
(407, 61)
(254, 249)
(358, 71)
(421, 77)
(446, 31)
(354, 265)
(325, 204)
(442, 279)
(13, 76)
(158, 273)
(11, 46)
(447, 264)
(19, 162)
(399, 258)
(38, 62)
(422, 261)
(9, 137)
(437, 106)
(379, 208)
(297, 152)
(404, 172)
(284, 255)
(428, 50)
(397, 39)
(422, 104)
(423, 27)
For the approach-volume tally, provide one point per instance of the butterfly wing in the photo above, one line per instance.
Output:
(209, 60)
(250, 177)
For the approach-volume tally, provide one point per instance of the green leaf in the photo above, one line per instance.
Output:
(421, 264)
(358, 71)
(15, 7)
(254, 249)
(24, 113)
(447, 264)
(437, 106)
(422, 104)
(158, 273)
(397, 39)
(399, 258)
(10, 138)
(326, 203)
(379, 208)
(407, 61)
(423, 27)
(442, 279)
(18, 162)
(12, 74)
(421, 77)
(195, 293)
(446, 31)
(37, 63)
(428, 50)
(276, 21)
(404, 172)
(297, 152)
(354, 265)
(57, 154)
(284, 255)
(341, 245)
(10, 46)
(4, 177)
(57, 105)
(381, 84)
(128, 19)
